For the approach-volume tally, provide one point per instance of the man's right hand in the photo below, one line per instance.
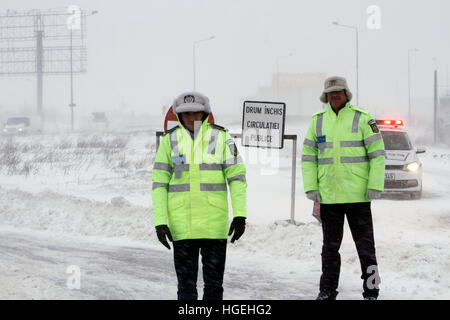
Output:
(314, 195)
(162, 232)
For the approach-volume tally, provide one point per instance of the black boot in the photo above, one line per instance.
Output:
(327, 295)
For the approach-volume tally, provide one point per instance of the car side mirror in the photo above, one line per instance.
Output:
(421, 150)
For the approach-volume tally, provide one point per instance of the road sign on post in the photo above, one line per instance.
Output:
(263, 124)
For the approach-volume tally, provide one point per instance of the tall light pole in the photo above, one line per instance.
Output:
(72, 105)
(409, 82)
(278, 71)
(437, 61)
(194, 57)
(357, 55)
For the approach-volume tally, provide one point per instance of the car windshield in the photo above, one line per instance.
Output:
(394, 140)
(17, 121)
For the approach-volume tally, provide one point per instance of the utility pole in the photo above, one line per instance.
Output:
(437, 61)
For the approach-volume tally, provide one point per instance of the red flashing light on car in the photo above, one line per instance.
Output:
(392, 123)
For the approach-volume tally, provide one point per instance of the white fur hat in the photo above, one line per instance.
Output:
(333, 84)
(191, 102)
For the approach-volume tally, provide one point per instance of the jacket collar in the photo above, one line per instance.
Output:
(344, 108)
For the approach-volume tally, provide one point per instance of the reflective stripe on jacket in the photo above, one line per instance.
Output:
(343, 155)
(190, 183)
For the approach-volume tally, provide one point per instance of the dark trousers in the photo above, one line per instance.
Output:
(186, 254)
(359, 217)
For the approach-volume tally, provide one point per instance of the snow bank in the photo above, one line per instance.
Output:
(73, 215)
(73, 154)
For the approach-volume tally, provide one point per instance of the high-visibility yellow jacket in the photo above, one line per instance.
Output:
(343, 155)
(190, 183)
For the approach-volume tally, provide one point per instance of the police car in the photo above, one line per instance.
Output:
(403, 166)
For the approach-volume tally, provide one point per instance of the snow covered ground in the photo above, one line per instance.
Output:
(84, 199)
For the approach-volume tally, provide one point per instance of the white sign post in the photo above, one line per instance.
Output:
(263, 124)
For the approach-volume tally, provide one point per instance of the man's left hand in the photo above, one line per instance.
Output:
(238, 226)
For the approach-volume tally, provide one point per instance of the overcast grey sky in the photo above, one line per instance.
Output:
(140, 52)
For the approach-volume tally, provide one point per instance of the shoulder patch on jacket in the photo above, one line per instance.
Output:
(233, 148)
(218, 127)
(373, 125)
(171, 130)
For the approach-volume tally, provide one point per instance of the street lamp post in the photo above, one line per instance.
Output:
(72, 104)
(278, 71)
(409, 82)
(357, 55)
(194, 57)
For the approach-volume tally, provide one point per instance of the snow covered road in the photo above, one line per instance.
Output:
(36, 265)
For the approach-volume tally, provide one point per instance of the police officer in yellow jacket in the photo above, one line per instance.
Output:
(343, 164)
(193, 165)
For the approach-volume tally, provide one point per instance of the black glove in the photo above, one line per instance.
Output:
(163, 231)
(238, 226)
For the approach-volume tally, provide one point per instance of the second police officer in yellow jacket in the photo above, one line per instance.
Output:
(194, 163)
(343, 165)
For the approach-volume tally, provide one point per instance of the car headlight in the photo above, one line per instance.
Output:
(20, 129)
(413, 166)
